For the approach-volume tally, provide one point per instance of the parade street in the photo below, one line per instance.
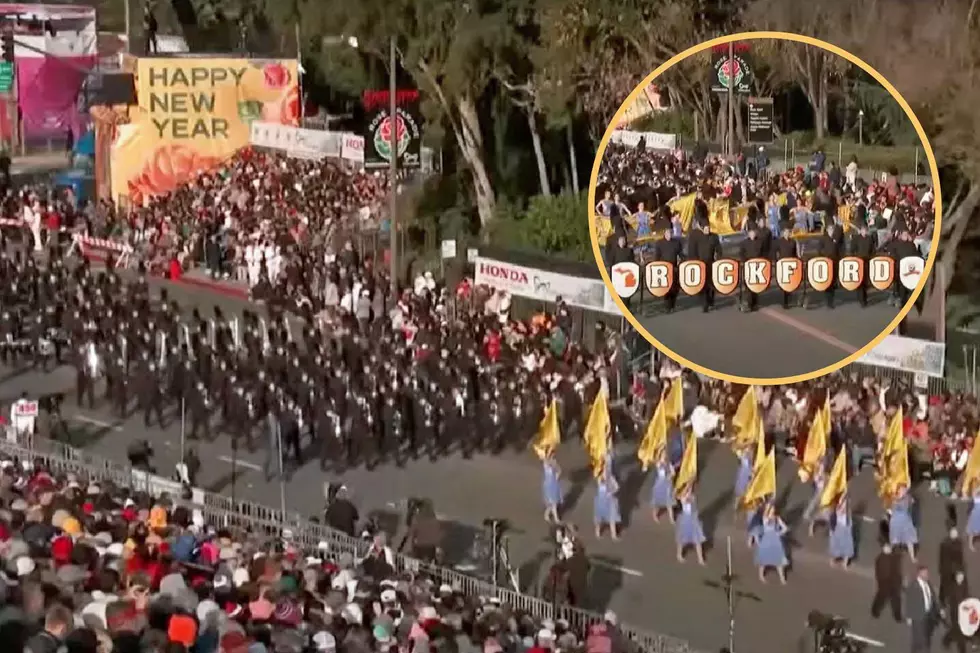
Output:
(792, 342)
(638, 577)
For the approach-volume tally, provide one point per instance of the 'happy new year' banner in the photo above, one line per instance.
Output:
(193, 114)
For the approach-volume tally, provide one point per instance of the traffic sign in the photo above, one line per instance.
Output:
(6, 76)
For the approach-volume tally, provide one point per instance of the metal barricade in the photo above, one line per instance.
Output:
(259, 520)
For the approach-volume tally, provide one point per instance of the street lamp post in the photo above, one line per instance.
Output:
(861, 127)
(393, 165)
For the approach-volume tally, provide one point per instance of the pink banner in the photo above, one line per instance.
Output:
(48, 89)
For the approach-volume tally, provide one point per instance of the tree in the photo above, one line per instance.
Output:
(557, 224)
(449, 49)
(937, 72)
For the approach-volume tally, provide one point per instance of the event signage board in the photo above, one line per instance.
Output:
(908, 355)
(195, 113)
(543, 285)
(724, 68)
(380, 131)
(761, 120)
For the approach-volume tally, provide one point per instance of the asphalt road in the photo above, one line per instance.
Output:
(638, 577)
(793, 342)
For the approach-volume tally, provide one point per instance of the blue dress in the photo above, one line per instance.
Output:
(814, 513)
(551, 486)
(743, 476)
(606, 505)
(663, 488)
(771, 552)
(842, 536)
(688, 528)
(901, 528)
(754, 523)
(973, 521)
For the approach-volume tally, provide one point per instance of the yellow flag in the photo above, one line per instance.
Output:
(687, 473)
(675, 402)
(836, 484)
(718, 217)
(549, 433)
(762, 484)
(745, 414)
(654, 441)
(816, 444)
(760, 445)
(970, 478)
(893, 460)
(684, 208)
(597, 428)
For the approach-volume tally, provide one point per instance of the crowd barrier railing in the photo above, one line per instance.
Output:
(260, 520)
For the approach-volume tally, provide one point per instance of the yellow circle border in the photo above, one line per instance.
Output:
(751, 36)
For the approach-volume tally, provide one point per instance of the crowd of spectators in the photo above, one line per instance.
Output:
(86, 567)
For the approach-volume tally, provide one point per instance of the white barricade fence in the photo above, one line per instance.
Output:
(652, 140)
(543, 285)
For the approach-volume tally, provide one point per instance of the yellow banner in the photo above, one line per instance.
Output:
(193, 114)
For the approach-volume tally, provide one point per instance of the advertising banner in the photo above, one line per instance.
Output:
(651, 140)
(296, 141)
(908, 355)
(380, 131)
(193, 114)
(51, 65)
(544, 286)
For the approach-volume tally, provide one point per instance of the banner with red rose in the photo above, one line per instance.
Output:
(192, 115)
(384, 136)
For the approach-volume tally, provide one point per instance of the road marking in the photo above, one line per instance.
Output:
(865, 640)
(619, 568)
(808, 329)
(240, 463)
(96, 422)
(868, 519)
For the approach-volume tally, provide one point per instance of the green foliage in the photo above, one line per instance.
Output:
(671, 121)
(556, 225)
(870, 157)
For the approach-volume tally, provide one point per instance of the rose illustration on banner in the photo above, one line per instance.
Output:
(276, 75)
(383, 140)
(285, 109)
(167, 168)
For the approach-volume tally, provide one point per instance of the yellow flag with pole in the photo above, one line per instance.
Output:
(745, 415)
(970, 478)
(674, 409)
(893, 460)
(816, 444)
(687, 473)
(597, 428)
(654, 441)
(836, 484)
(760, 445)
(549, 432)
(762, 483)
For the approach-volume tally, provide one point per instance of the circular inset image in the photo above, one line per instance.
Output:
(765, 208)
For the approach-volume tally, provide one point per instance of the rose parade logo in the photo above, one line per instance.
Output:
(402, 130)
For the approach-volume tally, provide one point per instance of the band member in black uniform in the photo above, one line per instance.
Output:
(668, 250)
(750, 248)
(198, 407)
(787, 248)
(149, 395)
(863, 248)
(704, 246)
(830, 246)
